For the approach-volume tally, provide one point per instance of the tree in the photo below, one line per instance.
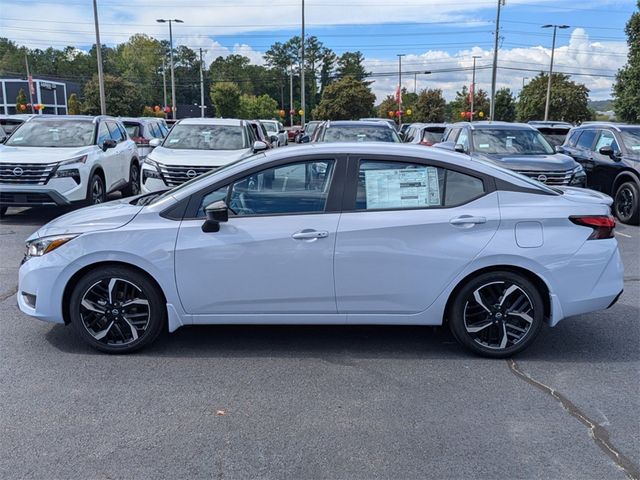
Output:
(505, 106)
(389, 104)
(122, 97)
(225, 97)
(626, 89)
(569, 100)
(140, 61)
(21, 100)
(430, 106)
(73, 105)
(461, 104)
(252, 107)
(346, 99)
(352, 64)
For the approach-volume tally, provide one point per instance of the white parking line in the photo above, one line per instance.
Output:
(623, 234)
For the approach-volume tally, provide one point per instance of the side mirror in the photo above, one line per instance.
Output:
(216, 212)
(274, 138)
(458, 147)
(559, 149)
(305, 139)
(108, 143)
(155, 142)
(402, 136)
(259, 146)
(608, 151)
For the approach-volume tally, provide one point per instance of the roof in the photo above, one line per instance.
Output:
(82, 118)
(549, 123)
(494, 125)
(615, 126)
(358, 123)
(232, 122)
(141, 119)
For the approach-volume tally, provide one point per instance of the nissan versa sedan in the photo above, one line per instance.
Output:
(343, 233)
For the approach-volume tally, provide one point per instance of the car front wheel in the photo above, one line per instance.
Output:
(626, 204)
(117, 309)
(133, 188)
(497, 314)
(96, 192)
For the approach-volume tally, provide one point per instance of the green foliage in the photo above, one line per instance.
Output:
(345, 99)
(150, 112)
(73, 105)
(122, 97)
(21, 99)
(352, 64)
(140, 60)
(389, 104)
(252, 107)
(430, 107)
(626, 89)
(461, 104)
(505, 106)
(568, 99)
(225, 97)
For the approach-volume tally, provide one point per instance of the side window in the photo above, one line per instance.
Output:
(301, 187)
(209, 198)
(103, 133)
(463, 139)
(453, 134)
(573, 138)
(116, 134)
(607, 139)
(398, 185)
(586, 139)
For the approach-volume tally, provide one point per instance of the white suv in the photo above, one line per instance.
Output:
(193, 147)
(60, 160)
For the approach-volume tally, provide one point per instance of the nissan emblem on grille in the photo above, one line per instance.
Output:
(542, 178)
(17, 171)
(191, 173)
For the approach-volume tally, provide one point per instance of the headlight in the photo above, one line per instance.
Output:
(82, 159)
(40, 246)
(151, 163)
(154, 173)
(579, 176)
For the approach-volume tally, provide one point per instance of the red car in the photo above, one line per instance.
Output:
(292, 132)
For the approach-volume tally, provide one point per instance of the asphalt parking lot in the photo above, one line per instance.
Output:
(318, 402)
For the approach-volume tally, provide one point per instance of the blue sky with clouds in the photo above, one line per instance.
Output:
(438, 36)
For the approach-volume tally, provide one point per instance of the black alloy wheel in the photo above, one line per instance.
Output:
(626, 203)
(497, 314)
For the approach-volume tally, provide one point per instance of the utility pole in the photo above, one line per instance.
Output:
(547, 103)
(201, 88)
(302, 92)
(291, 111)
(103, 101)
(473, 86)
(164, 84)
(29, 81)
(415, 82)
(523, 80)
(494, 69)
(400, 55)
(173, 80)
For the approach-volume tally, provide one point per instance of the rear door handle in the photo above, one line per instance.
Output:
(467, 220)
(308, 234)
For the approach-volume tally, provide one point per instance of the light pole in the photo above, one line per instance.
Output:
(553, 48)
(202, 107)
(415, 79)
(302, 92)
(400, 55)
(473, 85)
(494, 69)
(524, 79)
(173, 81)
(103, 101)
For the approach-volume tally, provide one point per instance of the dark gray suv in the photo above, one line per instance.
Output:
(516, 146)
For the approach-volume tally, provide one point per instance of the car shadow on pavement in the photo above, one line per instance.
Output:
(36, 216)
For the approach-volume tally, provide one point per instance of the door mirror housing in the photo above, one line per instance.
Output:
(108, 143)
(259, 146)
(217, 212)
(608, 151)
(458, 147)
(155, 142)
(274, 138)
(305, 139)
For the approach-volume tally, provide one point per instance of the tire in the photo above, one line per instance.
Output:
(106, 322)
(96, 192)
(133, 187)
(3, 211)
(626, 203)
(481, 325)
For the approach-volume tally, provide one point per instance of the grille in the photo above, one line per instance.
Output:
(27, 198)
(562, 177)
(26, 173)
(178, 174)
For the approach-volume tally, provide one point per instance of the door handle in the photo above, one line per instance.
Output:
(308, 234)
(467, 220)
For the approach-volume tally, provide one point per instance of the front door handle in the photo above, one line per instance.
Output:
(308, 234)
(467, 220)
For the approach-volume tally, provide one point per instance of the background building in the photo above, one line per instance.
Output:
(53, 94)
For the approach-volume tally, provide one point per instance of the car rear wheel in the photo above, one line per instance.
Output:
(96, 192)
(117, 310)
(497, 314)
(626, 204)
(133, 188)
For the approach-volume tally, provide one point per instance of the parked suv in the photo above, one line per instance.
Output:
(426, 134)
(193, 147)
(144, 129)
(516, 146)
(276, 129)
(610, 154)
(59, 160)
(355, 131)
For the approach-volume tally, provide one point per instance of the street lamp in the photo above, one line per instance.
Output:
(524, 79)
(415, 79)
(399, 99)
(553, 48)
(103, 101)
(173, 82)
(473, 85)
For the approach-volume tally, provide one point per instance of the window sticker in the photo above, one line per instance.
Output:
(394, 188)
(510, 142)
(483, 145)
(174, 140)
(635, 148)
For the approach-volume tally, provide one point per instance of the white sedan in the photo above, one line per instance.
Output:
(331, 234)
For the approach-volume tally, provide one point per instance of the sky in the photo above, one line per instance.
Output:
(434, 35)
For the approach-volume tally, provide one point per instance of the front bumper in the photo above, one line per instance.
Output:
(59, 191)
(41, 278)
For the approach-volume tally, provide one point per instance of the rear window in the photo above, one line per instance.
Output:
(133, 129)
(358, 133)
(432, 135)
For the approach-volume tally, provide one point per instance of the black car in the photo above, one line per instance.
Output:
(516, 146)
(610, 155)
(554, 132)
(355, 131)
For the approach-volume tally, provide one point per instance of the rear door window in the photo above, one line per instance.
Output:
(586, 139)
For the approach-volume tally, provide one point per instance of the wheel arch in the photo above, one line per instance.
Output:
(73, 281)
(542, 286)
(622, 177)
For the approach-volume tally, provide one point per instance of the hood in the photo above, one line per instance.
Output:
(107, 216)
(41, 154)
(205, 158)
(584, 195)
(551, 162)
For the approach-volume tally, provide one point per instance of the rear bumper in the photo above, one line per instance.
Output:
(24, 196)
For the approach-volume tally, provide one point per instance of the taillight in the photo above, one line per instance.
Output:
(141, 140)
(603, 225)
(426, 143)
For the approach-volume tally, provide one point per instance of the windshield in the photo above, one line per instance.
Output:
(53, 133)
(519, 176)
(631, 139)
(206, 137)
(270, 126)
(504, 141)
(358, 133)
